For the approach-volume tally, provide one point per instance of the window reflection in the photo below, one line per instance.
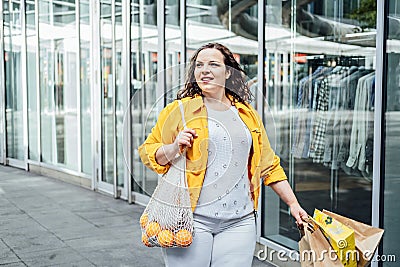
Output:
(320, 82)
(13, 69)
(233, 24)
(136, 103)
(58, 58)
(121, 99)
(85, 83)
(107, 91)
(31, 81)
(173, 46)
(144, 41)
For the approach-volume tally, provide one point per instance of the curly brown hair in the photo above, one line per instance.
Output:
(235, 84)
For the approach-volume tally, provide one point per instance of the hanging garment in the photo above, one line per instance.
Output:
(346, 110)
(360, 124)
(333, 118)
(319, 126)
(304, 107)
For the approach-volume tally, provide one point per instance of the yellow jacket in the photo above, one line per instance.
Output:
(262, 160)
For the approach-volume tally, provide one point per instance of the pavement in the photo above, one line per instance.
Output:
(47, 222)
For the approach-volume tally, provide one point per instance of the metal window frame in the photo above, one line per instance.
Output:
(18, 163)
(126, 130)
(142, 70)
(24, 84)
(54, 158)
(2, 91)
(161, 79)
(114, 90)
(379, 113)
(378, 181)
(78, 82)
(261, 86)
(38, 95)
(95, 66)
(182, 14)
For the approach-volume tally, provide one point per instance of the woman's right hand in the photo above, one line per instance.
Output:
(185, 138)
(167, 153)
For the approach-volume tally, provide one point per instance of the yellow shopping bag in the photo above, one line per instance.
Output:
(339, 236)
(367, 237)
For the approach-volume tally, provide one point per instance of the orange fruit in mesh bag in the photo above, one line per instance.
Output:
(144, 219)
(183, 238)
(152, 229)
(145, 240)
(165, 238)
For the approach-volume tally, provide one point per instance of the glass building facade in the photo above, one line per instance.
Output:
(82, 82)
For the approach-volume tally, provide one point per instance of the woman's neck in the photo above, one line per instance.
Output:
(217, 103)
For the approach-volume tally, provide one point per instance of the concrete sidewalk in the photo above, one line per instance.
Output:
(46, 222)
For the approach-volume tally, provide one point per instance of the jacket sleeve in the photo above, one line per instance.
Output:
(160, 135)
(272, 170)
(275, 173)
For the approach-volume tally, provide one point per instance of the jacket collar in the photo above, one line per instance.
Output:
(197, 102)
(240, 105)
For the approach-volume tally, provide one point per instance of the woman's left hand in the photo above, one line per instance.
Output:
(299, 214)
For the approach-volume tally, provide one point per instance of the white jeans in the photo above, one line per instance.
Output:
(216, 243)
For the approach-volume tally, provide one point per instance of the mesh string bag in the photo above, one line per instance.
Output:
(167, 220)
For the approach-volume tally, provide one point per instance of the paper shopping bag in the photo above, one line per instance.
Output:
(304, 248)
(339, 236)
(315, 251)
(366, 237)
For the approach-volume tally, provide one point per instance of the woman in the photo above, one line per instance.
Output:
(228, 153)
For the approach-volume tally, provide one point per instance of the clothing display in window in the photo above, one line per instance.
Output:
(334, 119)
(304, 105)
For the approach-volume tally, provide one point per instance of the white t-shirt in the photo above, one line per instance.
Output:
(225, 193)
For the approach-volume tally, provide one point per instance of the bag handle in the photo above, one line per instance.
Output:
(182, 113)
(183, 177)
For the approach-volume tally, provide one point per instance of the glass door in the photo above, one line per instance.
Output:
(86, 84)
(113, 100)
(106, 182)
(13, 82)
(121, 101)
(58, 80)
(320, 84)
(143, 86)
